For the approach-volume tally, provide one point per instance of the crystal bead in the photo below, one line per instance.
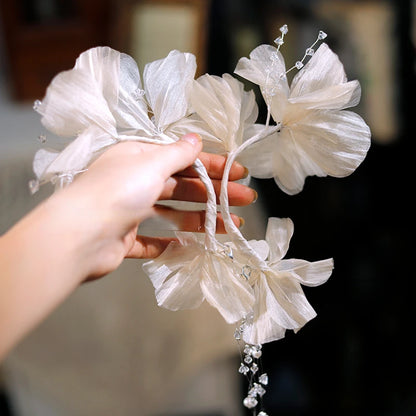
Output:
(237, 334)
(42, 138)
(299, 64)
(310, 51)
(248, 359)
(262, 413)
(279, 41)
(284, 29)
(37, 104)
(260, 390)
(264, 379)
(322, 35)
(247, 349)
(255, 352)
(243, 369)
(254, 368)
(33, 186)
(250, 402)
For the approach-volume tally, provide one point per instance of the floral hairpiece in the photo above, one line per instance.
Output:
(249, 282)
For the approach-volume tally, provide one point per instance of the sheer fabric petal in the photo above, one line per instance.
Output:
(286, 301)
(278, 234)
(307, 273)
(225, 289)
(323, 70)
(167, 82)
(262, 327)
(73, 102)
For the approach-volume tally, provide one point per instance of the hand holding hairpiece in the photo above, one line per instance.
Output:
(308, 131)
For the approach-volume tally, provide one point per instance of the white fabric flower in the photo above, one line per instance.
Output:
(317, 136)
(101, 101)
(280, 302)
(186, 273)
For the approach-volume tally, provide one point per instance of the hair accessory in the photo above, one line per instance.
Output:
(104, 100)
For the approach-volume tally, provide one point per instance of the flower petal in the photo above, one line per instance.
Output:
(305, 272)
(182, 290)
(323, 70)
(167, 82)
(214, 101)
(102, 63)
(334, 97)
(291, 163)
(261, 247)
(75, 157)
(170, 261)
(257, 68)
(336, 141)
(225, 289)
(132, 110)
(278, 234)
(73, 102)
(262, 328)
(286, 302)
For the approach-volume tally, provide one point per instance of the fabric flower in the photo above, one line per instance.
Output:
(317, 136)
(280, 302)
(186, 273)
(101, 101)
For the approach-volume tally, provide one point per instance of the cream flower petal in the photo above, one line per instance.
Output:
(291, 164)
(334, 97)
(323, 70)
(182, 290)
(74, 158)
(262, 327)
(257, 68)
(160, 268)
(336, 141)
(225, 107)
(167, 82)
(213, 99)
(103, 64)
(307, 273)
(225, 289)
(278, 234)
(261, 247)
(258, 156)
(132, 110)
(73, 102)
(286, 302)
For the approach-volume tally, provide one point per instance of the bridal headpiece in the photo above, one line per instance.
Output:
(308, 131)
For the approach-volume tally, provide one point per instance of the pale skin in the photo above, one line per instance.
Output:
(84, 231)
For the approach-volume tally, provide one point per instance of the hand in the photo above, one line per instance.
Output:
(122, 187)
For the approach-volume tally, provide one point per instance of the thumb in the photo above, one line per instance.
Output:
(179, 155)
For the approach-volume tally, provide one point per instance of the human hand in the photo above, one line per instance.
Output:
(122, 187)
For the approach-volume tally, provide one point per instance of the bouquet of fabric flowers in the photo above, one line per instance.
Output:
(308, 131)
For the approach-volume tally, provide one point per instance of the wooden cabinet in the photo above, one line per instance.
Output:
(43, 37)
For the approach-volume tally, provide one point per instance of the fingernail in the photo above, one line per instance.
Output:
(242, 222)
(245, 174)
(192, 138)
(256, 195)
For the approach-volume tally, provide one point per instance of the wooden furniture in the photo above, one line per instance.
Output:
(44, 37)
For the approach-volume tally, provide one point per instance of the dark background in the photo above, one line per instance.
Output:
(357, 356)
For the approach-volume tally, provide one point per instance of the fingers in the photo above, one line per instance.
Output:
(193, 190)
(193, 220)
(214, 165)
(146, 247)
(177, 156)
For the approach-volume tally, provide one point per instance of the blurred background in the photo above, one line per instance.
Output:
(109, 349)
